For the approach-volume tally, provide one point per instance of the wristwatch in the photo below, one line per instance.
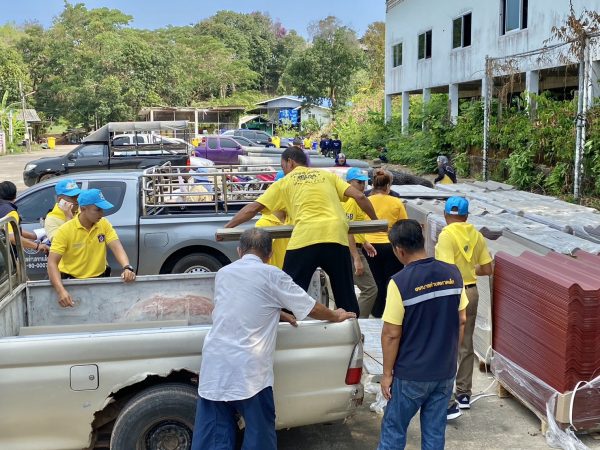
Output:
(129, 267)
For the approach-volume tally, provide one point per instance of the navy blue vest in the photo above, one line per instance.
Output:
(431, 292)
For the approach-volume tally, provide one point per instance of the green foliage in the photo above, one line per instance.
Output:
(259, 43)
(326, 69)
(374, 43)
(12, 71)
(534, 153)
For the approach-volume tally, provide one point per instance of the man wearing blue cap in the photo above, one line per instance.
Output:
(363, 278)
(79, 246)
(461, 244)
(65, 208)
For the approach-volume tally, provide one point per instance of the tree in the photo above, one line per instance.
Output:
(12, 71)
(374, 43)
(327, 69)
(265, 46)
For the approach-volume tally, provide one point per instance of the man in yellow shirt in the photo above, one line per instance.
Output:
(311, 198)
(79, 246)
(461, 244)
(65, 208)
(363, 278)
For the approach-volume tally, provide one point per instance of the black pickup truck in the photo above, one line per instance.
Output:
(117, 145)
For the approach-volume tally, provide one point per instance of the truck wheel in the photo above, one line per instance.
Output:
(46, 176)
(197, 263)
(161, 417)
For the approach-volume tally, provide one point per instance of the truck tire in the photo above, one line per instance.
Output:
(46, 176)
(197, 263)
(160, 417)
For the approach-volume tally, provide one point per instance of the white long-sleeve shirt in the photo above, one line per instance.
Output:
(237, 357)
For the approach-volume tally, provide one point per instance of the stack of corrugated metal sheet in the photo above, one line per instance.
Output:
(547, 324)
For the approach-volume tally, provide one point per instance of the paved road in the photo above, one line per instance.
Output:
(492, 423)
(11, 166)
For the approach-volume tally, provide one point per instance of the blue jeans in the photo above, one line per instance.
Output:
(407, 397)
(216, 426)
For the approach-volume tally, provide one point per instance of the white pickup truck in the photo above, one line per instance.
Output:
(122, 365)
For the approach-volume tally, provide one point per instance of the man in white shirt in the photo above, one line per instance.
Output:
(236, 374)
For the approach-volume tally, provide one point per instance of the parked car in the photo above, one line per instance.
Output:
(220, 149)
(247, 143)
(256, 136)
(123, 362)
(101, 150)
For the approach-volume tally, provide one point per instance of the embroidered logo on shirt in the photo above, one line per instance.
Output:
(101, 238)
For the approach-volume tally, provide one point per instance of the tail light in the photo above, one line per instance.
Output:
(354, 372)
(188, 163)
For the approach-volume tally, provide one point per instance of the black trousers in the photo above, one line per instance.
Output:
(105, 274)
(383, 266)
(335, 260)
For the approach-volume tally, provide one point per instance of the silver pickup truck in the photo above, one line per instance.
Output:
(122, 365)
(160, 236)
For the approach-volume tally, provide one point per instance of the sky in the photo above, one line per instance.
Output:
(151, 14)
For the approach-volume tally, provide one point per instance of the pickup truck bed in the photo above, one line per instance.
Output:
(66, 374)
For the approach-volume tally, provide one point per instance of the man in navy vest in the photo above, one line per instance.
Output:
(424, 320)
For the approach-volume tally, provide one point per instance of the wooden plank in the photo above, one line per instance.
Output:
(508, 392)
(285, 231)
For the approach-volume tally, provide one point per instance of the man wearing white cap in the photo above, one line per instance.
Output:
(79, 246)
(65, 208)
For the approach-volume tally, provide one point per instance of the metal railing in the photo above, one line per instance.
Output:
(190, 189)
(11, 255)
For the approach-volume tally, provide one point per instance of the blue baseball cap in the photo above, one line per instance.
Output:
(460, 203)
(279, 175)
(67, 187)
(94, 197)
(354, 173)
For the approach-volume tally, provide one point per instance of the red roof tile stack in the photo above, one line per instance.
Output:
(547, 322)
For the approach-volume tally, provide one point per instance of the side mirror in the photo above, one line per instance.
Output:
(238, 147)
(72, 156)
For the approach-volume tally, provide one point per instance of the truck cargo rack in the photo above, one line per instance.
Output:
(218, 189)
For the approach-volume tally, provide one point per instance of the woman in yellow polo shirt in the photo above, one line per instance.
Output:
(8, 194)
(270, 219)
(384, 264)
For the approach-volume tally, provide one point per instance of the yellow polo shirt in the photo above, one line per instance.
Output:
(307, 143)
(387, 208)
(355, 214)
(15, 215)
(279, 245)
(461, 244)
(311, 198)
(53, 221)
(83, 252)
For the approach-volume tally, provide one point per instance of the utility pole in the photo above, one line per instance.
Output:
(486, 92)
(27, 137)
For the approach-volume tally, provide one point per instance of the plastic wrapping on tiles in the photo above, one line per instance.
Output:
(556, 436)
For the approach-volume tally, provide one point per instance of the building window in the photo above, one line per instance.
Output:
(513, 15)
(397, 55)
(425, 45)
(461, 31)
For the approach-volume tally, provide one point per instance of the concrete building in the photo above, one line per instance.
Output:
(440, 46)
